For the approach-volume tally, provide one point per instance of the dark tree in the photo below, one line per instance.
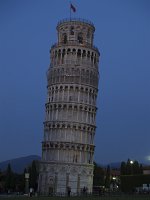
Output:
(135, 168)
(131, 168)
(19, 182)
(33, 176)
(99, 175)
(107, 179)
(141, 169)
(123, 168)
(2, 180)
(128, 167)
(9, 179)
(133, 176)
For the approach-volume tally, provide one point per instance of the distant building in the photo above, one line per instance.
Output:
(69, 127)
(146, 170)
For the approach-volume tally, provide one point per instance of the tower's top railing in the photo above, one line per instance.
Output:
(69, 43)
(75, 20)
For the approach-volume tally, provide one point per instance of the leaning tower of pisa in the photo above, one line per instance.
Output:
(69, 127)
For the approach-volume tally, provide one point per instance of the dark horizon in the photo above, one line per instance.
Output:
(29, 157)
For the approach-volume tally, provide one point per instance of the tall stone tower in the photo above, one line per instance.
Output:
(69, 127)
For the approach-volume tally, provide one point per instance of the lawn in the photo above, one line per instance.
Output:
(122, 197)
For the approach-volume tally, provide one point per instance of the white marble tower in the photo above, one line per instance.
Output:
(69, 127)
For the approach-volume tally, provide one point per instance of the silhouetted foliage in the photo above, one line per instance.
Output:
(33, 181)
(131, 168)
(13, 182)
(19, 182)
(2, 182)
(130, 182)
(132, 176)
(107, 179)
(123, 168)
(128, 167)
(99, 175)
(9, 179)
(141, 169)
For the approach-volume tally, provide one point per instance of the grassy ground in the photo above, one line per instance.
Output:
(122, 197)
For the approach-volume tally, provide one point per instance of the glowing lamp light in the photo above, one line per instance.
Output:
(147, 158)
(131, 162)
(26, 175)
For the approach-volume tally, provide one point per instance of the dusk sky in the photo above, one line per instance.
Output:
(27, 31)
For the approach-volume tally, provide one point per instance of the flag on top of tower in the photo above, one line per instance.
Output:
(72, 7)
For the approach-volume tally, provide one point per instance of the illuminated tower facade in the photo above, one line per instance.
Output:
(69, 127)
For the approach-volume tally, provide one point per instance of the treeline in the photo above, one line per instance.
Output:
(129, 183)
(132, 177)
(129, 177)
(13, 182)
(103, 176)
(131, 167)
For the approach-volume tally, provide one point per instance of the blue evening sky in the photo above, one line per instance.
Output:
(27, 31)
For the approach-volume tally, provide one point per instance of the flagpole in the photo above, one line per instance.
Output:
(70, 10)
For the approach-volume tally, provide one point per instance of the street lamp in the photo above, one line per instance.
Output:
(114, 183)
(27, 175)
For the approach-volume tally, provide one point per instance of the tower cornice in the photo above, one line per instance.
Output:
(76, 21)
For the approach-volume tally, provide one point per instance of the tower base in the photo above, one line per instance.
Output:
(65, 179)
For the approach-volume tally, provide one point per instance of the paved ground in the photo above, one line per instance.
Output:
(115, 197)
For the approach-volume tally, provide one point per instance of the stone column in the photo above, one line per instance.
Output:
(78, 184)
(67, 182)
(56, 180)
